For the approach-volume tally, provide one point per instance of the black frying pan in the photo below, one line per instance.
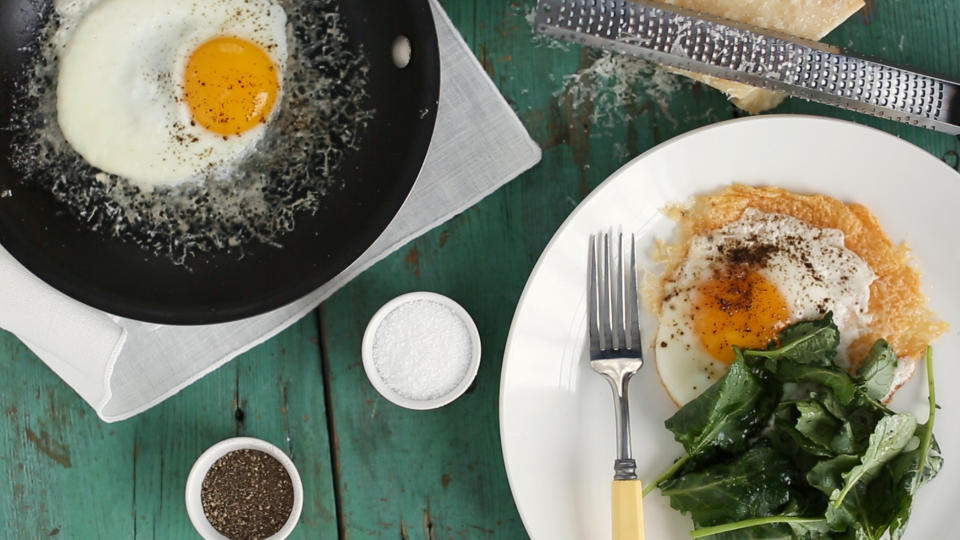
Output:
(122, 279)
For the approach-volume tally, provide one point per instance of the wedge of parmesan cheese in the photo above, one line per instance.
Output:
(810, 19)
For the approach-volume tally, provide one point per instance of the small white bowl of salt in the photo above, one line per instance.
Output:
(421, 350)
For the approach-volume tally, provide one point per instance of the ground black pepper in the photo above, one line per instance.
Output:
(750, 254)
(247, 495)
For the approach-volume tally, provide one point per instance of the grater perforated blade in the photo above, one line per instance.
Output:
(697, 42)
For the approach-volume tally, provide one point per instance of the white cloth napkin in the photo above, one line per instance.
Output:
(122, 367)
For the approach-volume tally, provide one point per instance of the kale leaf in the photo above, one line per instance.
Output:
(753, 484)
(790, 523)
(918, 466)
(834, 378)
(789, 446)
(889, 438)
(785, 424)
(728, 414)
(767, 531)
(863, 510)
(817, 424)
(825, 476)
(877, 372)
(907, 478)
(808, 342)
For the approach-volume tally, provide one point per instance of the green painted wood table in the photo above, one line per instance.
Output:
(371, 469)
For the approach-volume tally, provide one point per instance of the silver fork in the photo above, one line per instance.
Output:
(613, 321)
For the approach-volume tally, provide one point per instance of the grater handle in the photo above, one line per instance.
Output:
(729, 50)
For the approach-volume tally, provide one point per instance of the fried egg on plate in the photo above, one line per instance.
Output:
(160, 92)
(752, 261)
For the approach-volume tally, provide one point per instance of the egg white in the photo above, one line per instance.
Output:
(811, 268)
(119, 93)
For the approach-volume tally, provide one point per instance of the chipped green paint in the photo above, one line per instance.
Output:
(371, 469)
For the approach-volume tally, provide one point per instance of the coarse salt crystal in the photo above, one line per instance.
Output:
(422, 350)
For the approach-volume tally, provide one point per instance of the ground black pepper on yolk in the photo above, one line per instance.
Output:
(738, 307)
(231, 85)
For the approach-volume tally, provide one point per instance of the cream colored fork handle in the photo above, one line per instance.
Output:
(627, 510)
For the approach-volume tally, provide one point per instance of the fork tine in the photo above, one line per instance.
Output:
(593, 317)
(632, 298)
(610, 326)
(616, 291)
(606, 341)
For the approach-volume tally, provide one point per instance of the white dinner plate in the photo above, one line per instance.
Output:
(556, 416)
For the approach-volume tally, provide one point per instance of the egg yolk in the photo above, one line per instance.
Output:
(231, 85)
(740, 308)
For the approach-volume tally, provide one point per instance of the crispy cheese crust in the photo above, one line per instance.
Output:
(898, 306)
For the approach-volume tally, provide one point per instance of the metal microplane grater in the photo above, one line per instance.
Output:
(729, 50)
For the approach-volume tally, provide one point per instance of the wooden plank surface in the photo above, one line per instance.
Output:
(68, 475)
(372, 469)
